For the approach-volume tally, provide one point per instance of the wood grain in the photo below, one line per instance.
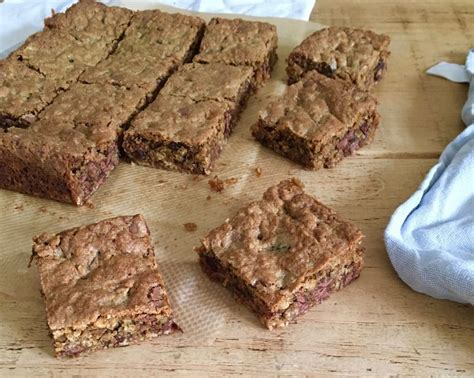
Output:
(376, 326)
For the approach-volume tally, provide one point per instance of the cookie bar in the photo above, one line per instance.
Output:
(283, 254)
(187, 125)
(67, 154)
(241, 43)
(101, 286)
(318, 121)
(92, 22)
(353, 55)
(59, 56)
(23, 94)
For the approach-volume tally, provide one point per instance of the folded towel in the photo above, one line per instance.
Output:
(21, 18)
(430, 238)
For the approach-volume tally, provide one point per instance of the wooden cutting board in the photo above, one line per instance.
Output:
(375, 326)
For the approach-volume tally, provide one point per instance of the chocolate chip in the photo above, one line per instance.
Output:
(134, 229)
(173, 146)
(364, 128)
(379, 70)
(325, 69)
(155, 294)
(184, 111)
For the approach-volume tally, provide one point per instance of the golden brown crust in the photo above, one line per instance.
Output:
(275, 244)
(353, 55)
(240, 43)
(92, 22)
(153, 46)
(202, 82)
(23, 92)
(95, 112)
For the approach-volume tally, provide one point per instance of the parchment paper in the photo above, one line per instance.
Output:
(168, 200)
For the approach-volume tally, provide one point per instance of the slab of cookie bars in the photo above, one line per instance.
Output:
(68, 153)
(154, 46)
(318, 121)
(283, 254)
(353, 55)
(187, 125)
(101, 286)
(239, 42)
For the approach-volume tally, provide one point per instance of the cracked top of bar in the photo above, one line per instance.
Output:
(87, 116)
(23, 92)
(318, 107)
(92, 22)
(107, 269)
(237, 42)
(215, 81)
(154, 44)
(72, 41)
(276, 243)
(58, 55)
(94, 107)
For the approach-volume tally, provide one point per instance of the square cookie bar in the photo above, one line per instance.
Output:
(187, 125)
(240, 43)
(101, 286)
(353, 55)
(318, 121)
(283, 254)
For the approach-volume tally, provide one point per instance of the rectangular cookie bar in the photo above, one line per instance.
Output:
(283, 254)
(318, 121)
(240, 43)
(154, 46)
(353, 55)
(187, 125)
(101, 286)
(72, 41)
(23, 94)
(68, 153)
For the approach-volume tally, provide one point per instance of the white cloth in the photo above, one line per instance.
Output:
(21, 18)
(430, 238)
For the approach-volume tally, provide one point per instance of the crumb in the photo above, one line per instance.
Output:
(258, 171)
(89, 204)
(181, 186)
(18, 207)
(43, 209)
(218, 185)
(161, 181)
(190, 227)
(196, 178)
(209, 198)
(231, 181)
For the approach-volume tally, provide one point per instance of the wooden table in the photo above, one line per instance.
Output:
(377, 325)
